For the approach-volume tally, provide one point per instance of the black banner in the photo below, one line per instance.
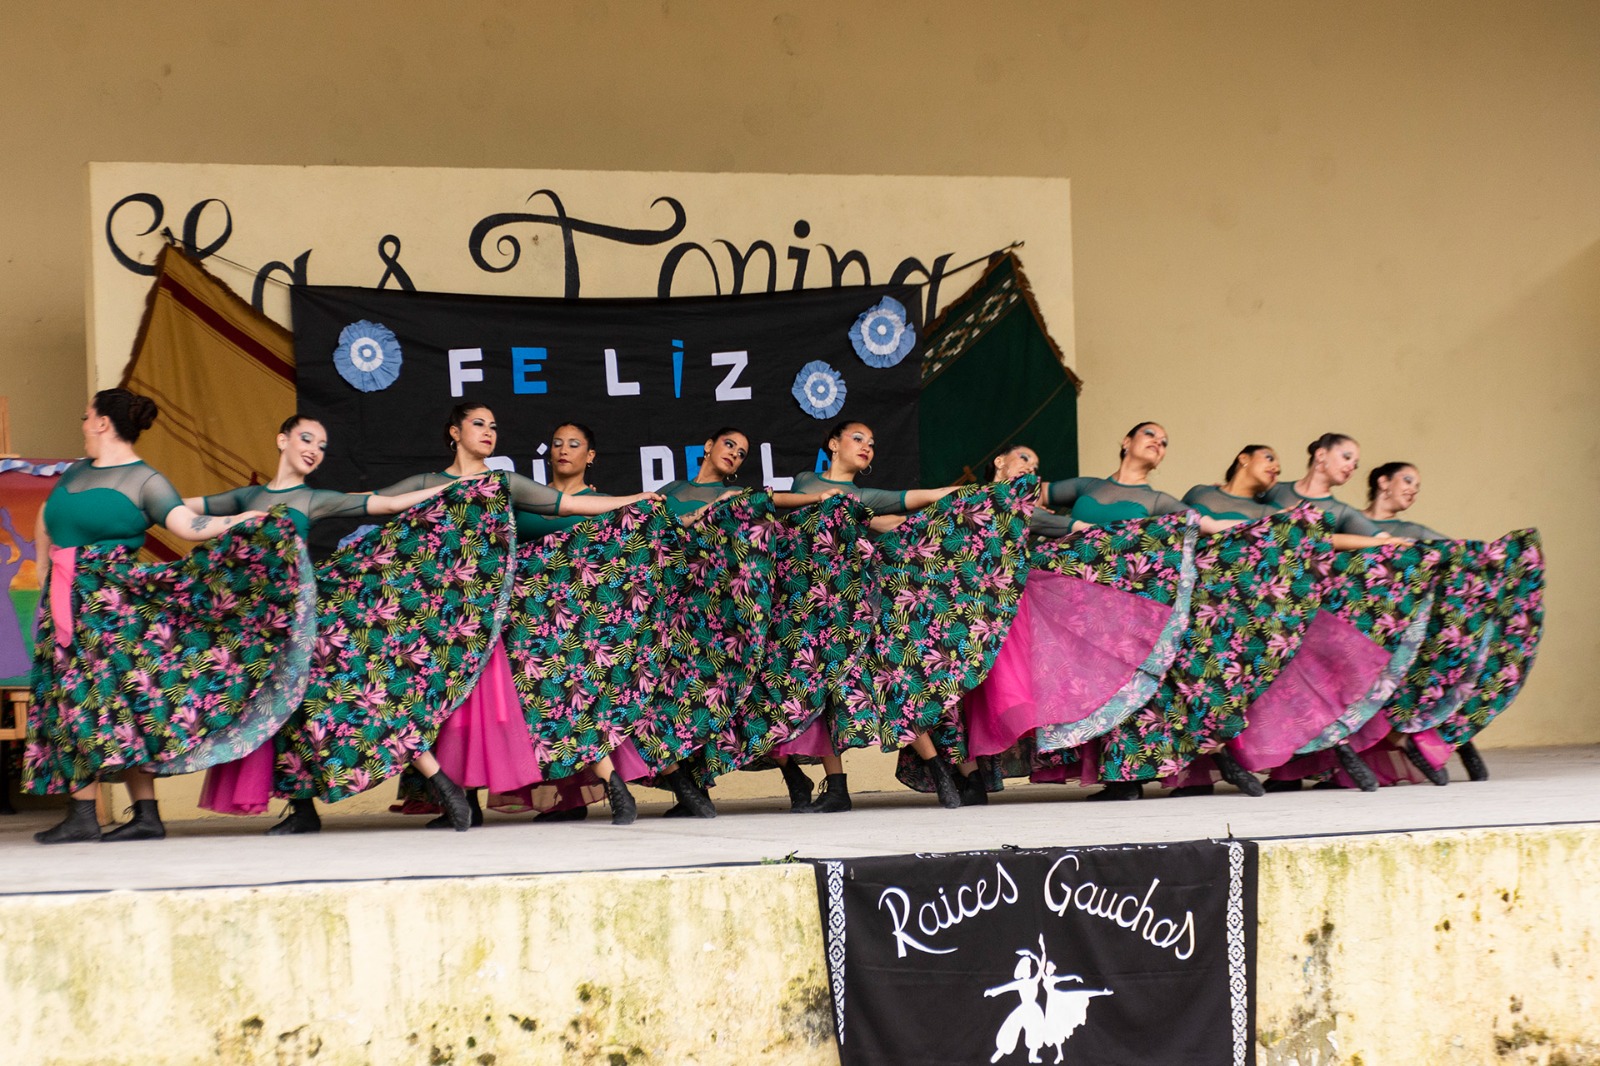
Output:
(1133, 954)
(654, 378)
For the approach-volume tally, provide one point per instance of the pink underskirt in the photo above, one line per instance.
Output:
(1334, 667)
(566, 793)
(243, 786)
(815, 742)
(1072, 647)
(63, 568)
(486, 743)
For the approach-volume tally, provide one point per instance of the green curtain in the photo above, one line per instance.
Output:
(991, 379)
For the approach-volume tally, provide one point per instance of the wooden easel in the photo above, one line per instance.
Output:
(14, 702)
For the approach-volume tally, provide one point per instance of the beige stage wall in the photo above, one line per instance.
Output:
(1381, 216)
(559, 233)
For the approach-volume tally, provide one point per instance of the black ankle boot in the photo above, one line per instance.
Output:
(695, 802)
(973, 794)
(1236, 775)
(1473, 762)
(302, 818)
(623, 809)
(1359, 771)
(799, 785)
(1437, 774)
(452, 799)
(444, 822)
(565, 814)
(834, 797)
(1120, 790)
(146, 824)
(81, 824)
(944, 786)
(1283, 784)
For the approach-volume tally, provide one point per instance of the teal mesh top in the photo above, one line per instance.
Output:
(530, 524)
(1399, 527)
(687, 497)
(107, 504)
(1211, 500)
(306, 504)
(1101, 501)
(1346, 519)
(528, 497)
(881, 501)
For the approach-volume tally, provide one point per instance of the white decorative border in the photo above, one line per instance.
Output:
(835, 946)
(1238, 962)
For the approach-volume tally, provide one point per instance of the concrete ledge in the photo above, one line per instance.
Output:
(1455, 946)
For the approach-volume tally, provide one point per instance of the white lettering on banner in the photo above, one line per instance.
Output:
(656, 465)
(460, 373)
(768, 479)
(1098, 902)
(738, 361)
(937, 915)
(617, 387)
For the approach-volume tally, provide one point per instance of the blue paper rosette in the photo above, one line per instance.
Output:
(820, 389)
(883, 335)
(368, 356)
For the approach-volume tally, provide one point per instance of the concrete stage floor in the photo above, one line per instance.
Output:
(1528, 786)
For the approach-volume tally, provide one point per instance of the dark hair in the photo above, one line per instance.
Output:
(993, 470)
(1248, 449)
(723, 431)
(839, 427)
(588, 434)
(458, 415)
(1327, 440)
(294, 420)
(130, 413)
(1386, 470)
(1123, 452)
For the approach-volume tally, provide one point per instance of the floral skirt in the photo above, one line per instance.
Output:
(714, 610)
(815, 694)
(1517, 621)
(1099, 624)
(583, 637)
(407, 617)
(1252, 604)
(171, 667)
(1386, 594)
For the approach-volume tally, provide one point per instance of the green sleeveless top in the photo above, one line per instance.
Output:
(531, 524)
(1346, 519)
(1399, 527)
(528, 497)
(881, 501)
(306, 504)
(1103, 501)
(1211, 500)
(107, 504)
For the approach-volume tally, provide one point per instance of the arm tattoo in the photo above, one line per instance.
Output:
(200, 522)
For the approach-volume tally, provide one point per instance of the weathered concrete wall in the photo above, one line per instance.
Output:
(1460, 947)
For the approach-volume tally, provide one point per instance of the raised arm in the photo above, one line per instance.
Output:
(377, 503)
(916, 499)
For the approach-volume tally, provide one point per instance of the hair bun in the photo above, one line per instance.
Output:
(142, 410)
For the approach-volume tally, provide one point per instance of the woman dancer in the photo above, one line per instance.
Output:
(715, 617)
(845, 691)
(571, 455)
(1485, 589)
(1126, 494)
(1374, 605)
(1391, 489)
(96, 717)
(338, 746)
(244, 786)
